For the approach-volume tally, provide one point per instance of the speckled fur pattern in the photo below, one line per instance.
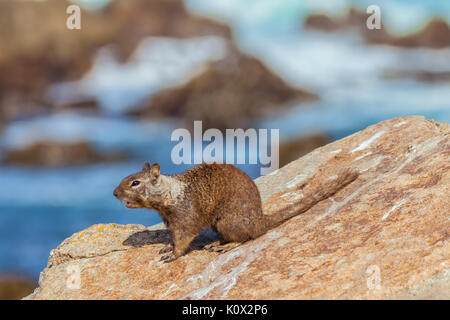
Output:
(220, 196)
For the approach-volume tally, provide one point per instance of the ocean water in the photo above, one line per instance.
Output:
(340, 67)
(39, 208)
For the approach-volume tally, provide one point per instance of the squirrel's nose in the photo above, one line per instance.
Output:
(116, 193)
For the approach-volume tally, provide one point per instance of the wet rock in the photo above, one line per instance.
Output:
(419, 75)
(231, 93)
(435, 34)
(353, 18)
(46, 50)
(321, 22)
(55, 153)
(43, 51)
(384, 236)
(17, 106)
(131, 21)
(13, 287)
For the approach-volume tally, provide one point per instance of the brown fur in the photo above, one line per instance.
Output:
(220, 196)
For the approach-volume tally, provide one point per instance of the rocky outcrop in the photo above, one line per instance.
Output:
(51, 153)
(131, 21)
(353, 18)
(419, 75)
(231, 93)
(323, 22)
(43, 51)
(384, 236)
(46, 49)
(13, 287)
(435, 34)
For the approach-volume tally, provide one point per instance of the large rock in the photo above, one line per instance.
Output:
(44, 51)
(13, 287)
(231, 93)
(353, 18)
(131, 21)
(50, 153)
(384, 236)
(419, 75)
(435, 34)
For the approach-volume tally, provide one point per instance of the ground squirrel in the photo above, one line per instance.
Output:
(220, 196)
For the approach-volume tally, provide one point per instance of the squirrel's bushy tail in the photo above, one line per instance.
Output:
(317, 188)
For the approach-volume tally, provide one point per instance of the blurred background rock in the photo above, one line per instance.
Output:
(80, 109)
(14, 287)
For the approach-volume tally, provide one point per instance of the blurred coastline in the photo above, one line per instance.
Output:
(81, 109)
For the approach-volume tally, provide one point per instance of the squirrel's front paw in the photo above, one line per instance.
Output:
(168, 258)
(166, 249)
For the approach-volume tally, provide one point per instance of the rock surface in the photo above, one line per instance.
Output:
(353, 18)
(43, 51)
(384, 236)
(51, 153)
(435, 34)
(231, 93)
(13, 287)
(419, 75)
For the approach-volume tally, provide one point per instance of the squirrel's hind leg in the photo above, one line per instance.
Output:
(221, 246)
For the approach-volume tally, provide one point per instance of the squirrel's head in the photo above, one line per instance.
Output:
(136, 189)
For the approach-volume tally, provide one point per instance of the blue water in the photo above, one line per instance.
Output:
(41, 207)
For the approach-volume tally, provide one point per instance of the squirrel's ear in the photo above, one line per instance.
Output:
(155, 170)
(146, 167)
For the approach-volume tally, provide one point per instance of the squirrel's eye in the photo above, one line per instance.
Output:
(135, 183)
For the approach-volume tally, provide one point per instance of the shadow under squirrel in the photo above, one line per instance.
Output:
(220, 196)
